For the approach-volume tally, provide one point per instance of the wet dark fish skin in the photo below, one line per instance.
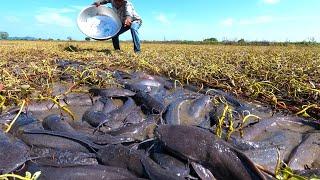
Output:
(58, 140)
(98, 105)
(82, 127)
(94, 118)
(147, 86)
(56, 122)
(79, 99)
(307, 153)
(265, 157)
(201, 146)
(238, 105)
(189, 111)
(40, 106)
(243, 145)
(122, 156)
(202, 172)
(23, 122)
(116, 118)
(8, 116)
(200, 105)
(136, 116)
(119, 75)
(179, 93)
(94, 172)
(171, 164)
(150, 103)
(61, 158)
(13, 153)
(167, 83)
(155, 171)
(146, 82)
(104, 139)
(172, 115)
(139, 131)
(159, 94)
(268, 124)
(49, 141)
(111, 92)
(309, 173)
(70, 99)
(108, 105)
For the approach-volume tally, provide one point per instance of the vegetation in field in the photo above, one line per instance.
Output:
(285, 77)
(28, 176)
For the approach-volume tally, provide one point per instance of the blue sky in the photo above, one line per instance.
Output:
(273, 20)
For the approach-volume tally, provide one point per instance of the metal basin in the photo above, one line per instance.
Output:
(99, 23)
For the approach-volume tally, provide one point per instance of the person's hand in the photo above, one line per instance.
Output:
(97, 4)
(127, 22)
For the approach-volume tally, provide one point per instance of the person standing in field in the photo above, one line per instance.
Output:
(129, 18)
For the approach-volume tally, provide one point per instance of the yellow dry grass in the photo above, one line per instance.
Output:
(285, 77)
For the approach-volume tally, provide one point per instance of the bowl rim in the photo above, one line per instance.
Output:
(109, 9)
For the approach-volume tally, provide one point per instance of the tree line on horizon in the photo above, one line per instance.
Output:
(212, 40)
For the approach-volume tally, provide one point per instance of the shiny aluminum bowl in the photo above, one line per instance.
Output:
(99, 23)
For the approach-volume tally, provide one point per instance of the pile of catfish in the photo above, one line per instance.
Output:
(148, 128)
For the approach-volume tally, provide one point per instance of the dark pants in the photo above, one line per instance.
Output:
(135, 25)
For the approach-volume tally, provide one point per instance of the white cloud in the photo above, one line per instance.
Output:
(57, 17)
(54, 19)
(163, 19)
(271, 1)
(228, 22)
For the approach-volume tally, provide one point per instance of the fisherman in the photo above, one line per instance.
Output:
(129, 18)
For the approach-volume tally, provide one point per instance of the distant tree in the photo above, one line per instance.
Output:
(69, 38)
(228, 42)
(211, 40)
(87, 39)
(4, 35)
(241, 41)
(312, 41)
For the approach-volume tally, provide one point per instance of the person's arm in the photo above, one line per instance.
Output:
(101, 2)
(129, 14)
